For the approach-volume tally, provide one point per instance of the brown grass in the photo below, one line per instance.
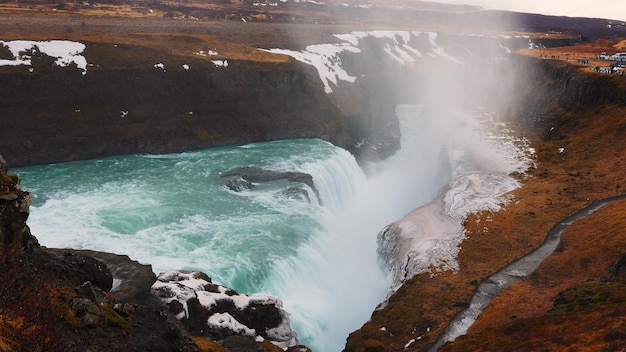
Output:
(527, 311)
(592, 167)
(207, 345)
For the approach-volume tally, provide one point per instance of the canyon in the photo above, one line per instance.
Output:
(128, 103)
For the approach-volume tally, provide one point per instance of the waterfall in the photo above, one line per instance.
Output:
(334, 282)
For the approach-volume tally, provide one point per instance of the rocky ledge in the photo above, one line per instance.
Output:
(218, 312)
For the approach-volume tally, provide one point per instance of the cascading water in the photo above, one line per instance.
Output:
(170, 211)
(334, 282)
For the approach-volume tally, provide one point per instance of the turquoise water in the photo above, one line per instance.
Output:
(170, 211)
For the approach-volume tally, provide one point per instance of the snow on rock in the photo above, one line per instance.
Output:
(425, 237)
(401, 47)
(226, 321)
(325, 58)
(64, 51)
(220, 63)
(217, 311)
(482, 156)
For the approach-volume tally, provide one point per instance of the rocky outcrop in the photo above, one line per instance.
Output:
(130, 281)
(244, 178)
(218, 312)
(14, 211)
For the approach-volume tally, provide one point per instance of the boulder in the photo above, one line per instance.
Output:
(218, 312)
(244, 177)
(131, 280)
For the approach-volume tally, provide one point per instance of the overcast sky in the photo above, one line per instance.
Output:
(611, 9)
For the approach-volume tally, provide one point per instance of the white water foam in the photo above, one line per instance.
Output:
(334, 282)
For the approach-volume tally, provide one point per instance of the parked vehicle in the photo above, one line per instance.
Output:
(619, 56)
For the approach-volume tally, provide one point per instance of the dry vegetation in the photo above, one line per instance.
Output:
(528, 315)
(576, 299)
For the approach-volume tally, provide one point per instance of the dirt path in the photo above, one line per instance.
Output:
(515, 271)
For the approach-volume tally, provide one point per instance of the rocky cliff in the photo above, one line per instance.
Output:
(124, 103)
(580, 87)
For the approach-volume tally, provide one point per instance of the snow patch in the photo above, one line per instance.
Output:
(482, 154)
(226, 321)
(325, 58)
(220, 63)
(64, 51)
(400, 47)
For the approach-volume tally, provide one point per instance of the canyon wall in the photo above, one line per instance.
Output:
(121, 102)
(58, 115)
(576, 85)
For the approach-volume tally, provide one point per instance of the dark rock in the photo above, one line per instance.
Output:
(133, 279)
(237, 184)
(176, 307)
(14, 211)
(224, 313)
(3, 166)
(86, 290)
(196, 322)
(259, 317)
(257, 174)
(84, 268)
(218, 288)
(83, 306)
(75, 117)
(296, 193)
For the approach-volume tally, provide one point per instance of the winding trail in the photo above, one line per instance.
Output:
(515, 271)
